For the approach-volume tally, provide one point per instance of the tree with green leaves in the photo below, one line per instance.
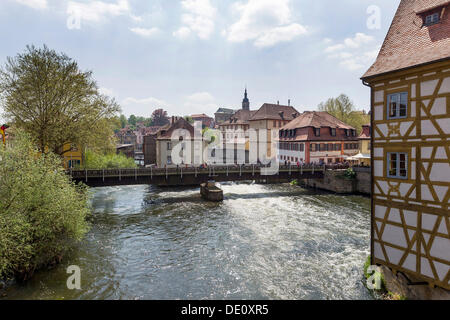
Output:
(42, 212)
(107, 161)
(47, 95)
(189, 119)
(123, 121)
(343, 109)
(132, 120)
(159, 117)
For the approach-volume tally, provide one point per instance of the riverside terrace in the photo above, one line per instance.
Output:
(183, 176)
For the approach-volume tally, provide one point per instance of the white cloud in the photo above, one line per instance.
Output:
(362, 52)
(201, 102)
(334, 48)
(266, 22)
(147, 33)
(182, 33)
(351, 64)
(136, 18)
(35, 4)
(351, 43)
(142, 107)
(198, 18)
(280, 34)
(358, 40)
(98, 11)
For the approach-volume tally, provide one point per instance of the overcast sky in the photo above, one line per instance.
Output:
(193, 56)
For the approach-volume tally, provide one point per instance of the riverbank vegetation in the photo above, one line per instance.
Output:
(42, 212)
(94, 160)
(382, 292)
(343, 109)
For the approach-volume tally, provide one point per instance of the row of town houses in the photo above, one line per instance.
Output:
(291, 136)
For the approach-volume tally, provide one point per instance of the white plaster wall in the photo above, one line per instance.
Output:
(404, 126)
(378, 152)
(428, 128)
(413, 90)
(378, 113)
(440, 172)
(378, 168)
(444, 124)
(378, 96)
(427, 87)
(439, 106)
(445, 87)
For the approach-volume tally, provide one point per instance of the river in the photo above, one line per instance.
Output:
(262, 242)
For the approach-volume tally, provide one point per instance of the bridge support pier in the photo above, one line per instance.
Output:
(209, 191)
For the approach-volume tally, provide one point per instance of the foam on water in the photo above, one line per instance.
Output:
(262, 242)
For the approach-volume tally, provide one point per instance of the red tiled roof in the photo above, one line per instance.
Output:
(409, 43)
(316, 119)
(365, 133)
(274, 112)
(426, 5)
(200, 116)
(240, 117)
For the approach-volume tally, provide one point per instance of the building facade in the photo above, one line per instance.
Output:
(72, 156)
(364, 144)
(316, 137)
(223, 114)
(149, 149)
(270, 118)
(207, 122)
(410, 107)
(184, 145)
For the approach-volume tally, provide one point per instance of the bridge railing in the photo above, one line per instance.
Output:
(186, 170)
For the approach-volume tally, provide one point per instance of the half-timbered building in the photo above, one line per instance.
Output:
(410, 107)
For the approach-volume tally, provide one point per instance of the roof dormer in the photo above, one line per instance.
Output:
(431, 12)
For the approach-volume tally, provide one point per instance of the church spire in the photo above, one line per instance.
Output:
(245, 102)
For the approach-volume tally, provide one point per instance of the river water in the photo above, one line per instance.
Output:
(262, 242)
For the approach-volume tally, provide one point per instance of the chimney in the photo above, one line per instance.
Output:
(173, 119)
(289, 102)
(278, 102)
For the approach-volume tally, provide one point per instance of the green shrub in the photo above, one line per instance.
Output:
(107, 161)
(366, 266)
(350, 174)
(42, 212)
(294, 182)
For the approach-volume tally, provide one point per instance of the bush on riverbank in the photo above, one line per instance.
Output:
(42, 212)
(108, 161)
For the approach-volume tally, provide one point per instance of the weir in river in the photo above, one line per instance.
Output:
(261, 242)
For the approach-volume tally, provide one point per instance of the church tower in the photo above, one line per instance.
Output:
(245, 102)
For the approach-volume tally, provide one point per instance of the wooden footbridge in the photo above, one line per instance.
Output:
(195, 176)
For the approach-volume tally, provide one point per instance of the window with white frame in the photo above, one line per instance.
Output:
(432, 18)
(397, 166)
(397, 105)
